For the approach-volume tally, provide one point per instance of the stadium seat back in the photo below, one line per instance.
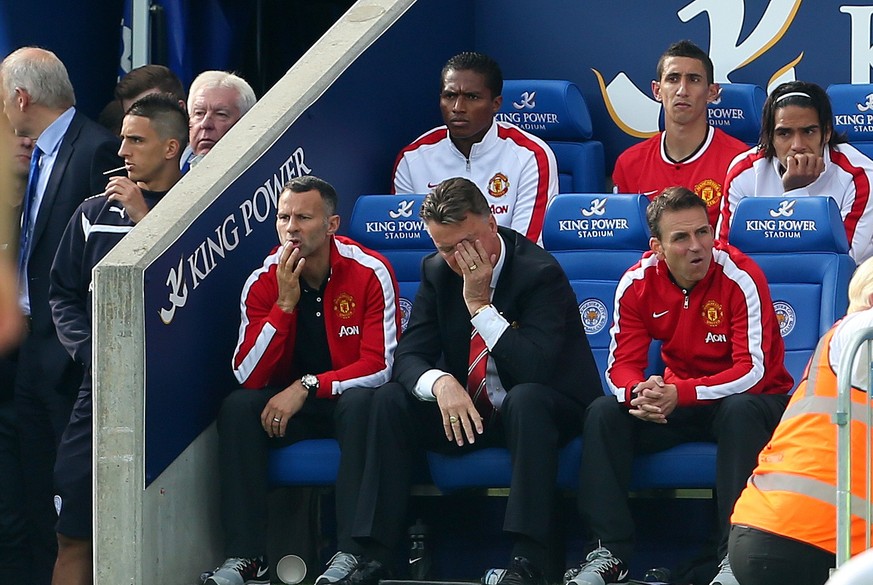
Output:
(390, 225)
(737, 111)
(853, 113)
(596, 238)
(800, 244)
(555, 111)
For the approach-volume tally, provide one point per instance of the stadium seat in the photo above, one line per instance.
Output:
(390, 225)
(492, 468)
(737, 111)
(801, 246)
(853, 113)
(555, 111)
(311, 462)
(596, 238)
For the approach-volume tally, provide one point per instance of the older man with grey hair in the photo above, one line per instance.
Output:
(69, 162)
(216, 101)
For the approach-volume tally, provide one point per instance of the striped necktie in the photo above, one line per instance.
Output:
(476, 375)
(28, 214)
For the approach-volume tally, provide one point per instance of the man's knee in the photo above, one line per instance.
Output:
(354, 406)
(605, 408)
(740, 414)
(525, 400)
(739, 404)
(240, 403)
(390, 397)
(747, 407)
(355, 399)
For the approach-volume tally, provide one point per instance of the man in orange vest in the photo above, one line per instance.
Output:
(784, 523)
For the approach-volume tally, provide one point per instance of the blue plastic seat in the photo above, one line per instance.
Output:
(555, 111)
(800, 244)
(853, 113)
(737, 111)
(390, 225)
(596, 237)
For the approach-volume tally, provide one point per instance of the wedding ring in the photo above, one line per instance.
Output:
(473, 267)
(276, 419)
(453, 419)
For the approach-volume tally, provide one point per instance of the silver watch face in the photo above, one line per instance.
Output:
(309, 381)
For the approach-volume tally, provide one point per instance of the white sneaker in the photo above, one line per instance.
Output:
(339, 567)
(236, 571)
(598, 568)
(725, 575)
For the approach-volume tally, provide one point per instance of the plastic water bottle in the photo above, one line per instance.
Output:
(419, 552)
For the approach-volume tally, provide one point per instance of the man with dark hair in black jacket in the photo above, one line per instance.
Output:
(153, 136)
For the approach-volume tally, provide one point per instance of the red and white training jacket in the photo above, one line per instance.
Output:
(515, 170)
(847, 178)
(361, 318)
(717, 339)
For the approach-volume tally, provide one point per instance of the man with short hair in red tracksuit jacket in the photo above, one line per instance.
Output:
(724, 379)
(319, 325)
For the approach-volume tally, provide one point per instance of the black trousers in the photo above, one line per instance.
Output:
(14, 552)
(534, 422)
(42, 411)
(763, 558)
(740, 424)
(244, 451)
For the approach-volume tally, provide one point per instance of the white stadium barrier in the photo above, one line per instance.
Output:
(860, 343)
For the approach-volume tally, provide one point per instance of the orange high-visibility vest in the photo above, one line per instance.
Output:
(793, 490)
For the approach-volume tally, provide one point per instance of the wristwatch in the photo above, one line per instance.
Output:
(310, 382)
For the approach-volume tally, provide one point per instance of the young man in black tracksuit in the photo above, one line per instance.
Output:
(154, 133)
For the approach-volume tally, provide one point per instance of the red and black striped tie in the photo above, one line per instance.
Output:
(476, 375)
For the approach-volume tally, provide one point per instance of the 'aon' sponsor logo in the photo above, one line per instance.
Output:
(349, 330)
(715, 337)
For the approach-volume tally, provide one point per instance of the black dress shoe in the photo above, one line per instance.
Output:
(368, 572)
(522, 572)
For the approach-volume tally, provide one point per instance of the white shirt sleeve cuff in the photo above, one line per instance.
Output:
(491, 325)
(424, 387)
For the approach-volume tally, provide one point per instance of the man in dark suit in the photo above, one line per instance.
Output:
(71, 156)
(485, 284)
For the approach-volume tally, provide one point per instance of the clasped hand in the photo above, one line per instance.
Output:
(654, 400)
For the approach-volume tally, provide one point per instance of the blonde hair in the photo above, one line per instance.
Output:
(861, 287)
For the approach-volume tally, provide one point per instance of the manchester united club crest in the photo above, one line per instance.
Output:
(713, 314)
(498, 186)
(709, 191)
(344, 305)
